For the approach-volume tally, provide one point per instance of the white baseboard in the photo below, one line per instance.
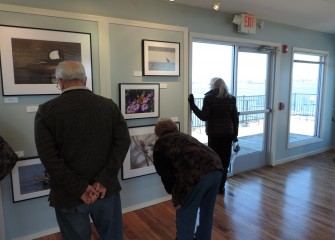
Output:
(124, 210)
(146, 204)
(296, 157)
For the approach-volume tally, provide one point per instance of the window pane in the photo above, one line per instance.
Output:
(251, 81)
(306, 57)
(208, 61)
(251, 132)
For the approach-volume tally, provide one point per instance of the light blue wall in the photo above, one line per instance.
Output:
(16, 126)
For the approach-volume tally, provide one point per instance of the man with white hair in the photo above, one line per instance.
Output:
(82, 140)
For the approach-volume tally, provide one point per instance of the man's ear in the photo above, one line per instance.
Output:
(61, 83)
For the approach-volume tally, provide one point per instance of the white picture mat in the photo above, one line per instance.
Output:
(124, 87)
(146, 58)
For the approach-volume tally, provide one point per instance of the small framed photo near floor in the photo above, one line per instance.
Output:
(29, 57)
(160, 58)
(139, 100)
(29, 179)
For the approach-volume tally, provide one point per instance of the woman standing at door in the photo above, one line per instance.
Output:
(219, 111)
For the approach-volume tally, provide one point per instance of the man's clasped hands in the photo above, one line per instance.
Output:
(93, 192)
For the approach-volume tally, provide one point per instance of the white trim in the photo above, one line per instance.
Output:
(307, 50)
(194, 35)
(2, 220)
(275, 111)
(320, 116)
(146, 204)
(104, 59)
(303, 155)
(186, 81)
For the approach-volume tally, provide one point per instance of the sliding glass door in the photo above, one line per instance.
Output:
(248, 72)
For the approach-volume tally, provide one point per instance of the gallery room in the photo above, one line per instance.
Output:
(282, 75)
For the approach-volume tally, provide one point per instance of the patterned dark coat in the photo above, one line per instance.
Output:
(220, 114)
(182, 161)
(8, 158)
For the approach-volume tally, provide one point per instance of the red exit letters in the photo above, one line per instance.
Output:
(249, 21)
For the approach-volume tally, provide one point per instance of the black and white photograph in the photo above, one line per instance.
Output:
(139, 159)
(33, 55)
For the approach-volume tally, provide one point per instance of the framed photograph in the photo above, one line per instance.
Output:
(30, 56)
(160, 58)
(139, 100)
(139, 159)
(29, 179)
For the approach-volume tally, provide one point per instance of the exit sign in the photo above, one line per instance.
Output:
(247, 24)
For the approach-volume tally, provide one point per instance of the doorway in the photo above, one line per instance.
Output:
(248, 71)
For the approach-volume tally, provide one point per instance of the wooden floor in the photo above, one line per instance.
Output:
(292, 201)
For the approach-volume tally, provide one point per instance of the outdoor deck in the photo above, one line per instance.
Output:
(248, 144)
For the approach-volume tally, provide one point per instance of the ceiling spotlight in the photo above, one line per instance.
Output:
(171, 0)
(216, 6)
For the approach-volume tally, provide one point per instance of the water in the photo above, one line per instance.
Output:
(254, 89)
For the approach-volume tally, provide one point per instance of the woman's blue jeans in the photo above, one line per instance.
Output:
(203, 196)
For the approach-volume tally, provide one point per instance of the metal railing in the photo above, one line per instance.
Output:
(303, 104)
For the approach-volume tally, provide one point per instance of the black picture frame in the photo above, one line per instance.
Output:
(29, 57)
(29, 179)
(139, 100)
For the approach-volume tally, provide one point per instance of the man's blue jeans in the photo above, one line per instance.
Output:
(74, 223)
(203, 196)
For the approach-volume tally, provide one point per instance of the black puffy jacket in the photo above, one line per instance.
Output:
(220, 114)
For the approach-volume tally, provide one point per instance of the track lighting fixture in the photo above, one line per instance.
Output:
(216, 6)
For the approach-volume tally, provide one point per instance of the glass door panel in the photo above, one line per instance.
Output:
(252, 78)
(247, 73)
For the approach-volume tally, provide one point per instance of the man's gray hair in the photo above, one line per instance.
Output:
(70, 70)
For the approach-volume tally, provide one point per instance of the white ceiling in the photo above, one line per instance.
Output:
(317, 15)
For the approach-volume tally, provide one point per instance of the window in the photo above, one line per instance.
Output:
(305, 99)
